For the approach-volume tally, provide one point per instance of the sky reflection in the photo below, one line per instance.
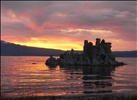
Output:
(20, 77)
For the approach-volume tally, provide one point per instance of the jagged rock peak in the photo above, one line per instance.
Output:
(98, 54)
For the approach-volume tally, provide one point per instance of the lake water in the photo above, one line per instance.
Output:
(29, 76)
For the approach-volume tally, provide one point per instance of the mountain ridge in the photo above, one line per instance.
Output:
(11, 49)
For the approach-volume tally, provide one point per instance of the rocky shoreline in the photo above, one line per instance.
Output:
(99, 54)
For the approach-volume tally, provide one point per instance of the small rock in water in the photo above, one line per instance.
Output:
(51, 62)
(34, 63)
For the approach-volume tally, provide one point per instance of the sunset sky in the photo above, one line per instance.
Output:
(66, 24)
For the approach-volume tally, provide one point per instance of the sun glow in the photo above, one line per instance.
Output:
(62, 44)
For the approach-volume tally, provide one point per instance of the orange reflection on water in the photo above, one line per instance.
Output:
(57, 68)
(13, 80)
(46, 68)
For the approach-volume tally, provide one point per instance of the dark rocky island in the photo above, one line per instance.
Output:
(93, 55)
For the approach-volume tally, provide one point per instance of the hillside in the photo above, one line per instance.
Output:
(11, 49)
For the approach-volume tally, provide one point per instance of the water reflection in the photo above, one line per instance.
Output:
(20, 77)
(96, 78)
(57, 68)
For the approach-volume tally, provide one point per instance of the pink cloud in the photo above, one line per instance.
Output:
(48, 19)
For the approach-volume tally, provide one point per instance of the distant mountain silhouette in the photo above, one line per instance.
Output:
(11, 49)
(125, 53)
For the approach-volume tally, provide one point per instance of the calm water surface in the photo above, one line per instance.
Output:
(29, 76)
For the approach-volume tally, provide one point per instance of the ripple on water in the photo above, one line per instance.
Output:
(22, 78)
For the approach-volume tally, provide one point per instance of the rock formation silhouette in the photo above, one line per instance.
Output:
(98, 54)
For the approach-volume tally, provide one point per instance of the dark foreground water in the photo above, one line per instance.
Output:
(23, 76)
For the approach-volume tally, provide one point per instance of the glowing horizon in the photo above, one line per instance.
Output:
(67, 46)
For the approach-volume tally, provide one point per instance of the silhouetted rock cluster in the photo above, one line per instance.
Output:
(98, 54)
